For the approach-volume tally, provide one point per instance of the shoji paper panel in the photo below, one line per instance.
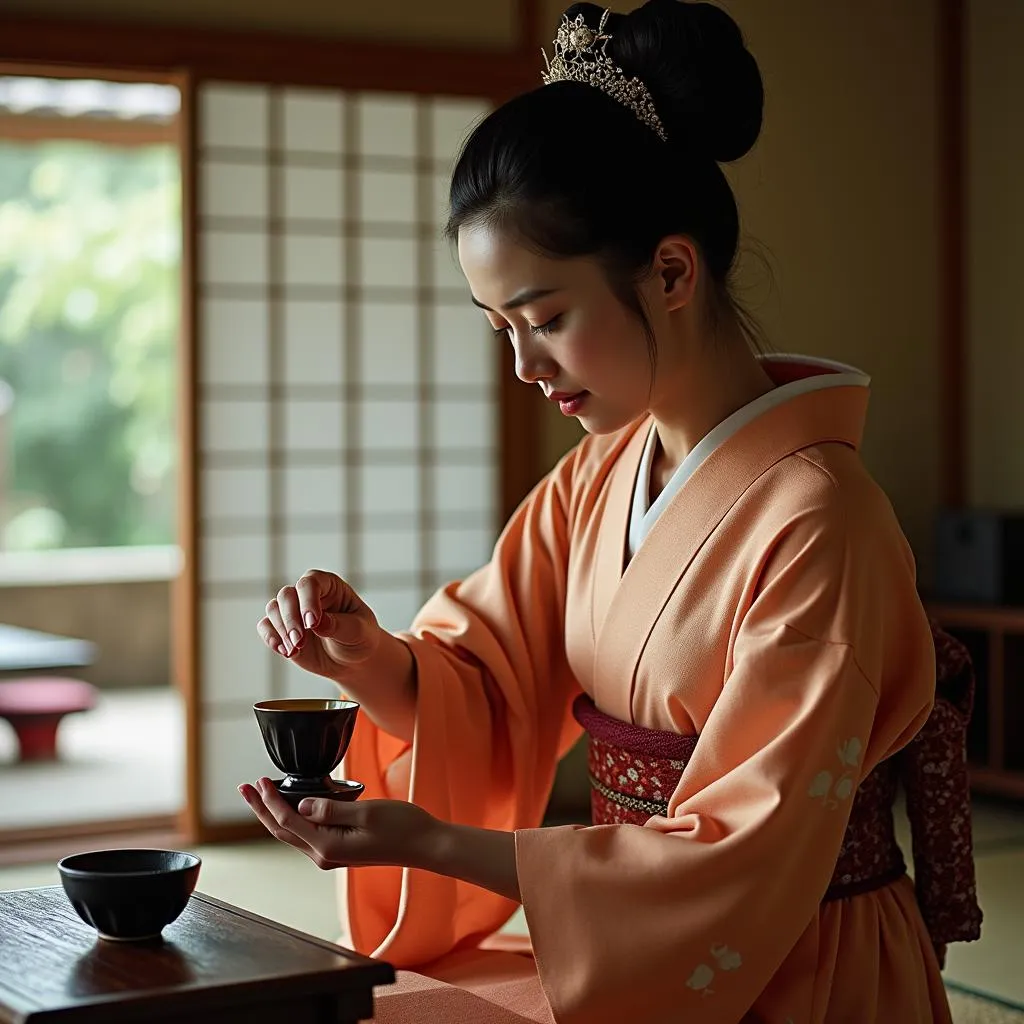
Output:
(348, 398)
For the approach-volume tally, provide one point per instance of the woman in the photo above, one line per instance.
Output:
(712, 561)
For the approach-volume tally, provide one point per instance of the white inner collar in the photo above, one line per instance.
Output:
(642, 517)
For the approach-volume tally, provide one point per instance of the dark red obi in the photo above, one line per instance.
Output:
(634, 771)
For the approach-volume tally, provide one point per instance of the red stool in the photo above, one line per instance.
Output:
(35, 707)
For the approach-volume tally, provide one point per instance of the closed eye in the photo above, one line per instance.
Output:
(549, 328)
(539, 329)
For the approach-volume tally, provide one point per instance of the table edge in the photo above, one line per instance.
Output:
(376, 972)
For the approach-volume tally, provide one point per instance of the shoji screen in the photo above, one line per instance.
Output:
(347, 392)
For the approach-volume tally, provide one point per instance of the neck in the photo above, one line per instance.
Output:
(724, 377)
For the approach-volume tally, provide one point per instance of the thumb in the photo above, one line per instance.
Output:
(345, 628)
(325, 812)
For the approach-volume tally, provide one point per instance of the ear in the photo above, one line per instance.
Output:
(675, 265)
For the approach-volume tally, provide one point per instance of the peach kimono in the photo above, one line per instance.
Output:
(772, 612)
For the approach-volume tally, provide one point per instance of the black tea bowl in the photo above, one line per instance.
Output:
(306, 739)
(129, 895)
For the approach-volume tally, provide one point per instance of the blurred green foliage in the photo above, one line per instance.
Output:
(89, 313)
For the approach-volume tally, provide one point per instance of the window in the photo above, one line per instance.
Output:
(90, 229)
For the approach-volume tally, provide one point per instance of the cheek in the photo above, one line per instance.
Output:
(615, 357)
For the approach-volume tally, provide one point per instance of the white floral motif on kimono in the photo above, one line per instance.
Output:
(726, 959)
(832, 790)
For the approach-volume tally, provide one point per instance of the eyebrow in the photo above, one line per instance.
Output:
(523, 298)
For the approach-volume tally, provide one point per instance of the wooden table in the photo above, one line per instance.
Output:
(216, 964)
(28, 650)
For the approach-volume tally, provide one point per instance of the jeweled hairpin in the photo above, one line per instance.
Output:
(580, 56)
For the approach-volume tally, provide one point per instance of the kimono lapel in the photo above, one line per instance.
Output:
(834, 414)
(614, 530)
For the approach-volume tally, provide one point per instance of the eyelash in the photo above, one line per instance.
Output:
(549, 328)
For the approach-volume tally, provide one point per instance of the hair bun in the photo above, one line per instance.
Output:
(705, 83)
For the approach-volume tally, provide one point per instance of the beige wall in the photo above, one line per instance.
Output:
(995, 167)
(842, 190)
(488, 22)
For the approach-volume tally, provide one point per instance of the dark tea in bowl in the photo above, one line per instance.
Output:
(307, 739)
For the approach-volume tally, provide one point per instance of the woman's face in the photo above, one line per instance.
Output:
(571, 334)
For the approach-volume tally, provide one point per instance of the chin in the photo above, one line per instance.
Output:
(605, 422)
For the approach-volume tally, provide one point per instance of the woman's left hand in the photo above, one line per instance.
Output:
(334, 833)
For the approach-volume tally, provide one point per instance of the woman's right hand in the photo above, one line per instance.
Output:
(321, 624)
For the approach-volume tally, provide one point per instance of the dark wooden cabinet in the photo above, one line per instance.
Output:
(995, 740)
(216, 964)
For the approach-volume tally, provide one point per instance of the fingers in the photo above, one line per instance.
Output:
(320, 602)
(279, 637)
(285, 619)
(282, 822)
(328, 812)
(287, 603)
(257, 799)
(320, 592)
(270, 636)
(312, 589)
(332, 609)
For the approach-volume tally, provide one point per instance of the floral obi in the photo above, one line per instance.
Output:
(634, 771)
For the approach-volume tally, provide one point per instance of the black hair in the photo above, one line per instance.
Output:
(572, 172)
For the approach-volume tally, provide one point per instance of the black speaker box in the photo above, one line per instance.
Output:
(980, 556)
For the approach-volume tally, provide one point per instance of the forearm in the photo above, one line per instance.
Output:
(385, 687)
(480, 856)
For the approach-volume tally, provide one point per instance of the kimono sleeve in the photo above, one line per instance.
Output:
(494, 692)
(689, 916)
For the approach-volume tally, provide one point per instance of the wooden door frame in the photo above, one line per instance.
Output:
(187, 57)
(954, 383)
(53, 842)
(274, 58)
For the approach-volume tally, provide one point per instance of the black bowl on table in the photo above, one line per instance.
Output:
(129, 895)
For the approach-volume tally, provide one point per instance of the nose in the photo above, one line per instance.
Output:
(533, 364)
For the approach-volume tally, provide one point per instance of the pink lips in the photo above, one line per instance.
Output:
(569, 404)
